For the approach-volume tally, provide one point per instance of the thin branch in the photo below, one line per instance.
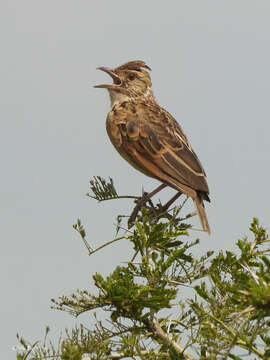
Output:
(174, 282)
(108, 243)
(115, 197)
(239, 342)
(87, 245)
(30, 350)
(127, 230)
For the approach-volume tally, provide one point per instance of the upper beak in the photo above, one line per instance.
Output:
(116, 80)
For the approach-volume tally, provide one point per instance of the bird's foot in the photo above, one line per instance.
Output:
(139, 204)
(158, 212)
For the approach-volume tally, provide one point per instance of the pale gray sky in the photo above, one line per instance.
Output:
(210, 62)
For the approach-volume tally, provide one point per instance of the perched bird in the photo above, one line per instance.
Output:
(149, 138)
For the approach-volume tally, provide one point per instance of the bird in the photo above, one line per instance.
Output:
(149, 138)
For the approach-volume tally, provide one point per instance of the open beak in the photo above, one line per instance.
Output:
(116, 80)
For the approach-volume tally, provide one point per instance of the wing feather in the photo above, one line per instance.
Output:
(155, 144)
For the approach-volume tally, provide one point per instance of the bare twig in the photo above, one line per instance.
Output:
(108, 243)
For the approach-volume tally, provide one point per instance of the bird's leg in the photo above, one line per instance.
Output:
(141, 202)
(163, 209)
(170, 202)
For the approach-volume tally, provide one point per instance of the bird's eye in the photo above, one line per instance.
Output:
(131, 77)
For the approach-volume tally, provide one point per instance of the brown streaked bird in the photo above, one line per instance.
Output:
(149, 138)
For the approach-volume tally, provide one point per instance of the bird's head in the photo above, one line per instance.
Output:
(130, 80)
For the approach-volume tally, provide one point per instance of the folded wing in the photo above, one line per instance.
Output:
(158, 146)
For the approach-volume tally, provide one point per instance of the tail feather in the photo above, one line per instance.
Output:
(202, 214)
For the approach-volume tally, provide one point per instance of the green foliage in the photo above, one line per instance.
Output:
(101, 189)
(226, 314)
(236, 305)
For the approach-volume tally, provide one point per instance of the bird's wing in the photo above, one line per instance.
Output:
(153, 142)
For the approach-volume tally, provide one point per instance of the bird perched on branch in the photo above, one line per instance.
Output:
(149, 138)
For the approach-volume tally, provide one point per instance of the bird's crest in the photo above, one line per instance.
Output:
(134, 65)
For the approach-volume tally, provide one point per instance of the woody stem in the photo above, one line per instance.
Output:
(141, 202)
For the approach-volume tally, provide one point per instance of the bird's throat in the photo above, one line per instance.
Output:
(119, 97)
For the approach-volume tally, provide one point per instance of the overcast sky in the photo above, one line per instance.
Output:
(210, 68)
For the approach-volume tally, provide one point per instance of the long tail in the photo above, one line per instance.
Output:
(202, 214)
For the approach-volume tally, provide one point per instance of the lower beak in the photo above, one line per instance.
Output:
(116, 80)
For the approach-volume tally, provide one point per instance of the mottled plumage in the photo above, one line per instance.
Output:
(149, 138)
